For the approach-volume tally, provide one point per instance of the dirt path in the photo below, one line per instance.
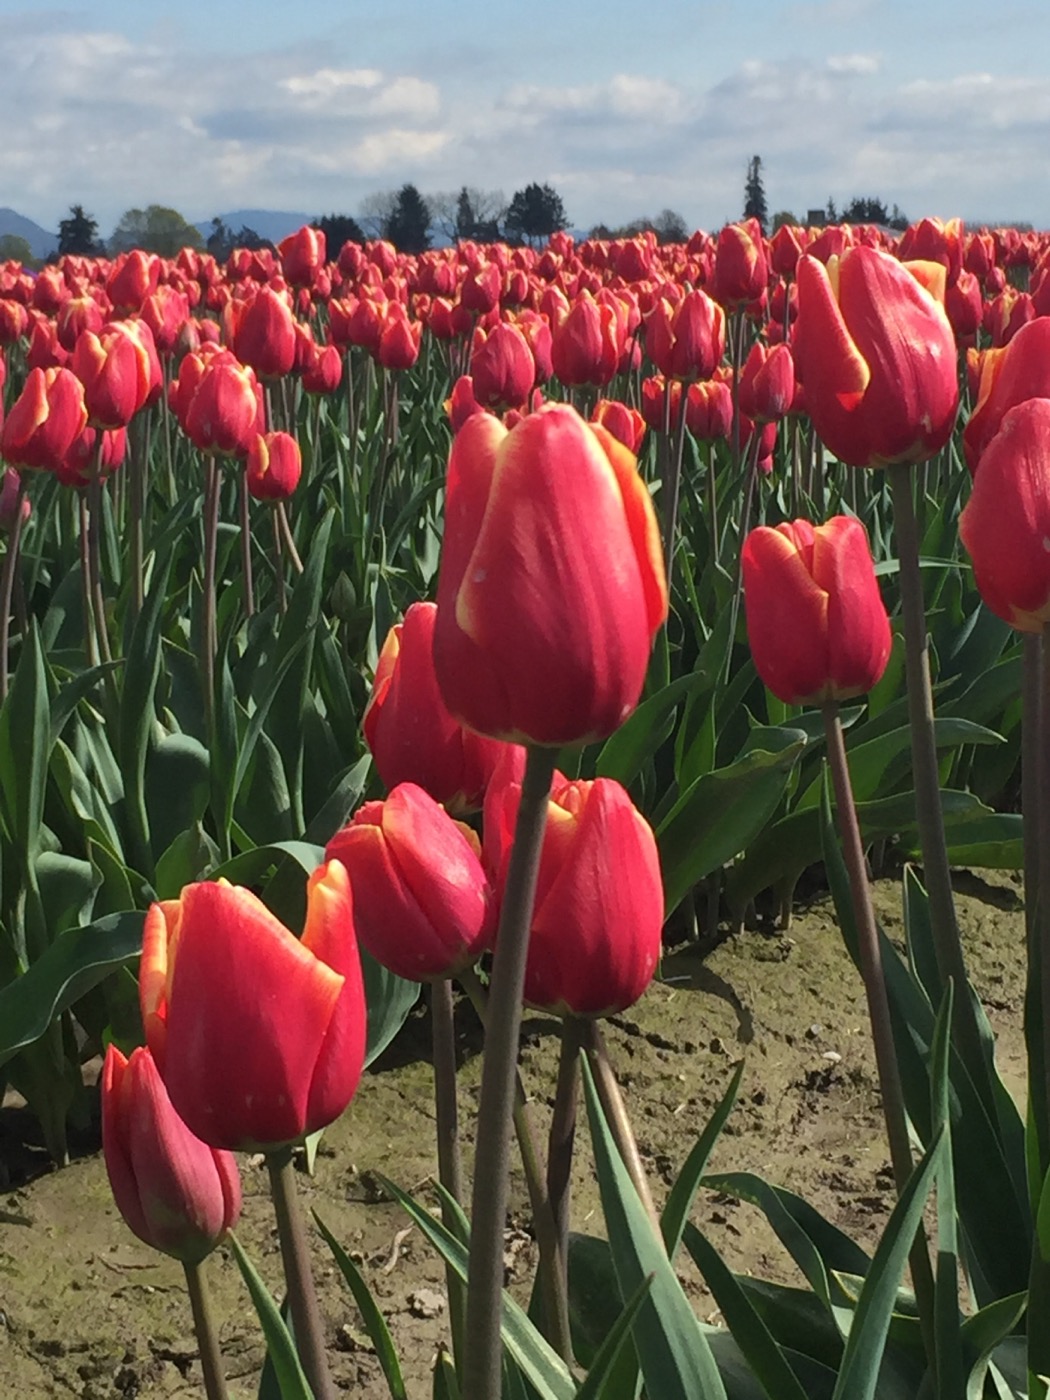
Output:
(87, 1311)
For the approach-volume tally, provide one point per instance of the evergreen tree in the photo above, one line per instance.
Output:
(408, 227)
(862, 210)
(754, 194)
(339, 229)
(466, 219)
(78, 233)
(534, 214)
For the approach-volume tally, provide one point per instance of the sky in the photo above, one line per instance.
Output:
(625, 108)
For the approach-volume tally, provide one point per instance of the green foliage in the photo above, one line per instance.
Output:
(755, 206)
(79, 233)
(154, 229)
(408, 225)
(534, 213)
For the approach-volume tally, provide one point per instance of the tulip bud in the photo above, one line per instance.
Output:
(265, 335)
(45, 420)
(424, 906)
(1005, 524)
(273, 466)
(687, 341)
(551, 585)
(259, 1036)
(502, 369)
(407, 726)
(815, 618)
(585, 346)
(876, 355)
(741, 271)
(599, 911)
(767, 383)
(176, 1194)
(626, 424)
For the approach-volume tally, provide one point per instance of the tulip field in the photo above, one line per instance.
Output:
(512, 750)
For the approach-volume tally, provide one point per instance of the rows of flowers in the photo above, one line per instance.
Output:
(418, 587)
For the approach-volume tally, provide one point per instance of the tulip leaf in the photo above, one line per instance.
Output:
(539, 1363)
(75, 962)
(177, 768)
(673, 1351)
(24, 734)
(280, 1348)
(389, 998)
(623, 754)
(602, 1375)
(375, 1324)
(446, 1385)
(720, 815)
(683, 1192)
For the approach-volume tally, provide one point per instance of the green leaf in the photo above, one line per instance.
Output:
(67, 890)
(279, 1344)
(602, 1375)
(375, 1326)
(723, 811)
(446, 1384)
(859, 1372)
(137, 706)
(624, 753)
(74, 963)
(673, 1352)
(541, 1365)
(25, 729)
(750, 1333)
(682, 1194)
(188, 859)
(389, 998)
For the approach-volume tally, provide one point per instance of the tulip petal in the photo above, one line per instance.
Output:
(782, 600)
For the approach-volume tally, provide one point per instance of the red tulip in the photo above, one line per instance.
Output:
(741, 272)
(273, 466)
(114, 368)
(585, 346)
(133, 278)
(876, 355)
(259, 1036)
(767, 383)
(265, 335)
(626, 424)
(324, 373)
(424, 905)
(502, 368)
(45, 420)
(1008, 376)
(225, 413)
(686, 341)
(1005, 525)
(302, 255)
(551, 585)
(815, 619)
(176, 1194)
(596, 926)
(709, 410)
(399, 339)
(14, 321)
(407, 726)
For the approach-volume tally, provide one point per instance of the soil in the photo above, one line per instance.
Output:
(87, 1311)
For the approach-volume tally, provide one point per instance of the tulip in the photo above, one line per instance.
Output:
(14, 321)
(324, 373)
(767, 383)
(709, 410)
(461, 403)
(77, 315)
(224, 415)
(399, 339)
(302, 255)
(876, 355)
(626, 424)
(273, 466)
(551, 585)
(133, 278)
(502, 368)
(596, 924)
(585, 346)
(114, 368)
(816, 622)
(166, 311)
(1005, 524)
(423, 904)
(407, 726)
(85, 461)
(265, 335)
(741, 272)
(259, 1036)
(1008, 376)
(14, 506)
(175, 1192)
(654, 407)
(687, 341)
(45, 420)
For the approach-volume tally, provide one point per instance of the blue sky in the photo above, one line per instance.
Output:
(626, 109)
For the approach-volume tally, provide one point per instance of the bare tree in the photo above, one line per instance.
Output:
(376, 212)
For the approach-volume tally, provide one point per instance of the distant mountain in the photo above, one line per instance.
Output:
(272, 224)
(42, 243)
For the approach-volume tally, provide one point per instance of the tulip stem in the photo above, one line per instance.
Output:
(278, 564)
(482, 1373)
(7, 583)
(552, 1267)
(947, 945)
(94, 524)
(1034, 744)
(90, 639)
(1043, 889)
(138, 466)
(870, 958)
(246, 548)
(615, 1111)
(286, 535)
(298, 1276)
(209, 641)
(562, 1136)
(207, 1336)
(672, 485)
(446, 1113)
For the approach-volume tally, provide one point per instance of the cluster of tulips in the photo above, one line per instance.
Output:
(551, 590)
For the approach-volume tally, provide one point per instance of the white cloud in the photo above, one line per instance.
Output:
(854, 62)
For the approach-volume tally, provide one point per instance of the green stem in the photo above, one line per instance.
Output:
(137, 468)
(563, 1133)
(672, 485)
(481, 1379)
(7, 583)
(209, 641)
(446, 1113)
(246, 547)
(615, 1111)
(870, 957)
(552, 1267)
(1034, 744)
(298, 1276)
(207, 1336)
(947, 945)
